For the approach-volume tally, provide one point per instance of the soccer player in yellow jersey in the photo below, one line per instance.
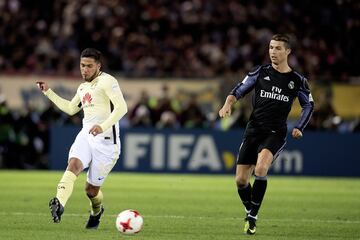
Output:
(97, 145)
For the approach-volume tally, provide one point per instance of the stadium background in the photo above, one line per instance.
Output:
(176, 61)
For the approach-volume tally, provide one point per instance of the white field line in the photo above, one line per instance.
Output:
(191, 217)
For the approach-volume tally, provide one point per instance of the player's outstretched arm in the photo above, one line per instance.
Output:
(69, 107)
(225, 111)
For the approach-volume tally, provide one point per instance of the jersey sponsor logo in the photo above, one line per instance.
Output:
(274, 94)
(291, 85)
(86, 99)
(267, 78)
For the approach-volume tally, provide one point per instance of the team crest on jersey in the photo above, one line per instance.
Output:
(291, 85)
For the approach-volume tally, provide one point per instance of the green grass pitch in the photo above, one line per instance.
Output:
(182, 207)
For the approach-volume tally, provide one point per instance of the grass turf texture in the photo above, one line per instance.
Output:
(182, 207)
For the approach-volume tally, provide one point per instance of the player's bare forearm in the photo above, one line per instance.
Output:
(226, 109)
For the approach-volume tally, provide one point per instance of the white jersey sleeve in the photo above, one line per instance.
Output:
(69, 107)
(113, 92)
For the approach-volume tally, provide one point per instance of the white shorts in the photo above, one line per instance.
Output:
(97, 154)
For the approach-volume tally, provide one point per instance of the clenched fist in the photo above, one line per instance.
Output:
(296, 133)
(43, 86)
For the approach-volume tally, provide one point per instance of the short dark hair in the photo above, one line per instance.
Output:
(92, 53)
(283, 38)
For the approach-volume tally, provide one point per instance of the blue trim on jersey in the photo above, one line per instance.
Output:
(245, 86)
(255, 70)
(306, 102)
(248, 84)
(299, 75)
(280, 150)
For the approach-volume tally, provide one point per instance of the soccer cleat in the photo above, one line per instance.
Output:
(56, 209)
(94, 221)
(250, 225)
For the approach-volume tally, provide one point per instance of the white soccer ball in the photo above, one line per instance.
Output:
(129, 222)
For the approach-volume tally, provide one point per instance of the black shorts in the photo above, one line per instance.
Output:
(253, 144)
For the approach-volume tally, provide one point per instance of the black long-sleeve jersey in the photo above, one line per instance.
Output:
(274, 95)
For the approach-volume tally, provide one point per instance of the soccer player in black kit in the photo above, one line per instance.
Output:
(276, 87)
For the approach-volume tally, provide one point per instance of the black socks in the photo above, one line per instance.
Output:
(245, 195)
(258, 192)
(252, 197)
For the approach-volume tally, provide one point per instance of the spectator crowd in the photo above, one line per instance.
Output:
(179, 38)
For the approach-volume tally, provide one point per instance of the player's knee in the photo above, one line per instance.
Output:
(91, 191)
(241, 181)
(75, 166)
(261, 170)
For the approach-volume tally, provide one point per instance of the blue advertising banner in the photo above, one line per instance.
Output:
(215, 152)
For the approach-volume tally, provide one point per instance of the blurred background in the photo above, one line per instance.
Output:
(176, 61)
